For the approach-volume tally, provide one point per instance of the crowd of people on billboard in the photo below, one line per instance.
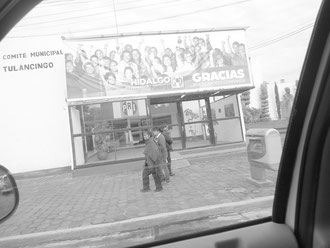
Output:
(115, 69)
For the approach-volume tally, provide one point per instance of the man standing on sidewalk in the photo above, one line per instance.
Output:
(160, 140)
(169, 148)
(151, 166)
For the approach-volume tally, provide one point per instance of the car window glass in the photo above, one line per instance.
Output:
(155, 118)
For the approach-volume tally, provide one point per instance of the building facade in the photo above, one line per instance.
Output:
(62, 107)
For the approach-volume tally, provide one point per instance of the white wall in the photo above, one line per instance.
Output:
(272, 101)
(34, 127)
(227, 130)
(257, 79)
(219, 106)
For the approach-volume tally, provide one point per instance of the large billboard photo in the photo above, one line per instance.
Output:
(155, 64)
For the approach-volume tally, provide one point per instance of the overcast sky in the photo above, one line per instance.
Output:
(277, 36)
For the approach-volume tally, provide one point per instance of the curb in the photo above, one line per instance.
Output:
(134, 228)
(220, 152)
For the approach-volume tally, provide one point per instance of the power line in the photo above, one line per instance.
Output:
(66, 12)
(294, 30)
(94, 14)
(89, 9)
(280, 37)
(64, 3)
(150, 20)
(79, 2)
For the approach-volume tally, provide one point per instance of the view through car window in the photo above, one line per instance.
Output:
(135, 121)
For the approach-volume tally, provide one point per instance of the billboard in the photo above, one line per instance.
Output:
(156, 64)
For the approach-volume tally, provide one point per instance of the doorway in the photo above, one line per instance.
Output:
(187, 122)
(195, 123)
(167, 113)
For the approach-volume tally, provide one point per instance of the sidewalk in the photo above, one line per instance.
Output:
(95, 198)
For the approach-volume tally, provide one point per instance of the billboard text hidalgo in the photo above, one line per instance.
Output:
(156, 64)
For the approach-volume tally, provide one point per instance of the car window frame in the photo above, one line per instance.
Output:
(295, 128)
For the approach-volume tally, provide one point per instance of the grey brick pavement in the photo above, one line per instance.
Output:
(63, 201)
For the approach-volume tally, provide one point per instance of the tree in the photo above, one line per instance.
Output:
(251, 115)
(245, 98)
(278, 103)
(264, 102)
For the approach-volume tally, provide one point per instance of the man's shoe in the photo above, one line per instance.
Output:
(144, 190)
(157, 190)
(172, 174)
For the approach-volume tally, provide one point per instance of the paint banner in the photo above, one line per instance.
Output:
(156, 64)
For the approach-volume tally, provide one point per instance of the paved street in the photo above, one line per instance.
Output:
(65, 201)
